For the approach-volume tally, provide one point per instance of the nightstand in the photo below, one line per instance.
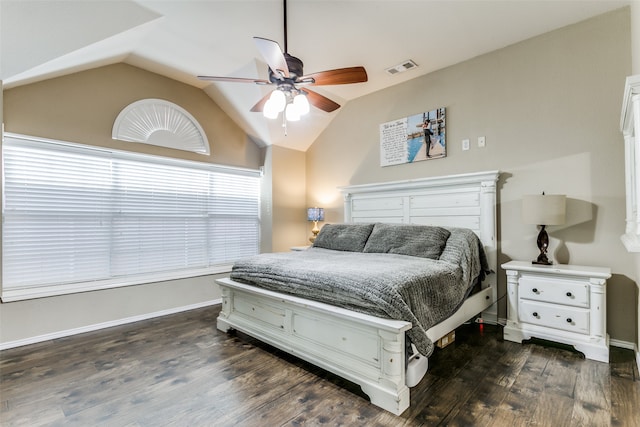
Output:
(562, 303)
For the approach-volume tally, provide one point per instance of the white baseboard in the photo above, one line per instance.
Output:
(628, 345)
(104, 325)
(622, 344)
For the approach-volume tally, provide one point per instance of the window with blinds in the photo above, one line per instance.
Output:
(79, 218)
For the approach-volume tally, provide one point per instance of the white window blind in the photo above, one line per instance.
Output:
(78, 218)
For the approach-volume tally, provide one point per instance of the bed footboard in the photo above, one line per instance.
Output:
(366, 350)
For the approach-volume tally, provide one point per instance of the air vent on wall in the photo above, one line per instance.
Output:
(402, 67)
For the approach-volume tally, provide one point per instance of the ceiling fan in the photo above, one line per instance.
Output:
(291, 93)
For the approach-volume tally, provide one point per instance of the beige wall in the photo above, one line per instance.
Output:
(635, 36)
(289, 226)
(283, 199)
(549, 108)
(82, 108)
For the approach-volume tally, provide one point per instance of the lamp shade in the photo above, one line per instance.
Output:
(315, 214)
(544, 209)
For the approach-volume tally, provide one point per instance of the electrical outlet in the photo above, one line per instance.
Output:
(465, 144)
(481, 142)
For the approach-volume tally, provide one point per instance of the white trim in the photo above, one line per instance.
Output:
(631, 242)
(622, 344)
(630, 127)
(631, 88)
(104, 325)
(214, 167)
(435, 181)
(20, 294)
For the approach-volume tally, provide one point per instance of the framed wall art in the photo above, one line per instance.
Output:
(412, 139)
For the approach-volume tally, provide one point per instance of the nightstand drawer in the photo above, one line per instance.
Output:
(557, 291)
(554, 316)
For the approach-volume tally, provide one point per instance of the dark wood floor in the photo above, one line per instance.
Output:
(180, 371)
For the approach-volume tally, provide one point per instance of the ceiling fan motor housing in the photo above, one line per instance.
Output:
(295, 70)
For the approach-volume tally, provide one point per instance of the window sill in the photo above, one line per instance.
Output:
(33, 292)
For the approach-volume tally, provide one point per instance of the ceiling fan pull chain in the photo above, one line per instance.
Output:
(284, 123)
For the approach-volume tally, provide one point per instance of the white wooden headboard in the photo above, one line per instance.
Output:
(465, 200)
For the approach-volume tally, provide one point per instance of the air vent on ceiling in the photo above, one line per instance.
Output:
(403, 66)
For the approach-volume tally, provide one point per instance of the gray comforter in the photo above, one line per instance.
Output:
(422, 291)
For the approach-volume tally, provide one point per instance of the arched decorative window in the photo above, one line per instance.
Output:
(162, 123)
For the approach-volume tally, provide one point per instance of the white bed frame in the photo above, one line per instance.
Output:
(367, 350)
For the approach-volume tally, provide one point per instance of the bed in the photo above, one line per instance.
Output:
(368, 347)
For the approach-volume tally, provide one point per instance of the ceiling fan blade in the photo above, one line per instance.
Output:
(338, 76)
(272, 55)
(260, 104)
(234, 79)
(321, 101)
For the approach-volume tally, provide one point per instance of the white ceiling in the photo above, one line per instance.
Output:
(184, 38)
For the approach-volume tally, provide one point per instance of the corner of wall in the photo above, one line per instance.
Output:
(266, 201)
(288, 180)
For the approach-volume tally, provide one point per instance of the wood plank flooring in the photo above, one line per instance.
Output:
(180, 371)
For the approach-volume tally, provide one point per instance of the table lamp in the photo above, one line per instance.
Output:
(543, 210)
(315, 215)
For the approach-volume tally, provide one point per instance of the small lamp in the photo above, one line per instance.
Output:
(315, 215)
(543, 210)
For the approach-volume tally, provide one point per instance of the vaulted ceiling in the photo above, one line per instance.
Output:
(181, 39)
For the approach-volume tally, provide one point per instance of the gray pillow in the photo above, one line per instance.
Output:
(343, 237)
(423, 241)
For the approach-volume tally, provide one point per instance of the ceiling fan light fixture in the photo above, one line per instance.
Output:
(286, 72)
(291, 113)
(301, 103)
(279, 100)
(270, 111)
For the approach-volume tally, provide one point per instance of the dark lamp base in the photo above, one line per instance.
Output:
(543, 244)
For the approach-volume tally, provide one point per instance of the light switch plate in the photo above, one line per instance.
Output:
(481, 142)
(465, 144)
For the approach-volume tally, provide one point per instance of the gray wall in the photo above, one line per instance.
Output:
(549, 108)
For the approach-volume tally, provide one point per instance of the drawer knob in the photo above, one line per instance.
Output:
(535, 314)
(569, 294)
(534, 290)
(569, 320)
